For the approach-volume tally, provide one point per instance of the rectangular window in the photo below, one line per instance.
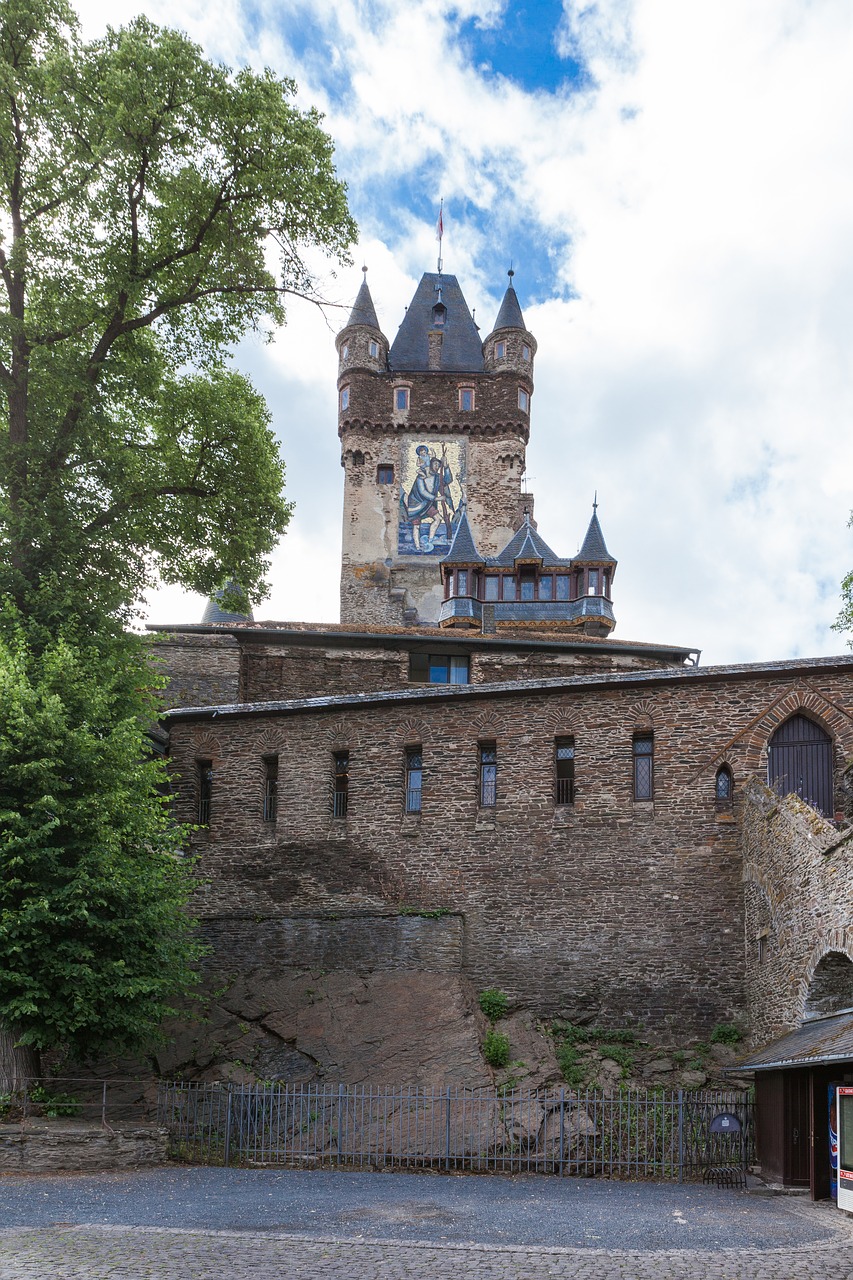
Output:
(466, 399)
(344, 398)
(414, 778)
(500, 350)
(345, 351)
(527, 582)
(493, 587)
(438, 668)
(340, 784)
(488, 775)
(462, 582)
(270, 788)
(401, 398)
(593, 582)
(204, 791)
(509, 587)
(546, 586)
(384, 473)
(644, 776)
(523, 400)
(563, 583)
(373, 349)
(525, 353)
(564, 770)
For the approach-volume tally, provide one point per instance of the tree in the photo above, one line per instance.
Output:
(154, 207)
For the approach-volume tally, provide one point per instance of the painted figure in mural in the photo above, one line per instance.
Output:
(430, 502)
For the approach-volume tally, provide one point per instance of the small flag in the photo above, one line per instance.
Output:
(439, 226)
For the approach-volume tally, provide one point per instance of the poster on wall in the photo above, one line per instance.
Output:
(432, 488)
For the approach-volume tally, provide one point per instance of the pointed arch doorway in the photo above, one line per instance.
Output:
(800, 761)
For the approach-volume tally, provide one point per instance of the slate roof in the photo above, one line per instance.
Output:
(363, 311)
(828, 1039)
(215, 613)
(461, 348)
(527, 544)
(463, 549)
(593, 544)
(509, 316)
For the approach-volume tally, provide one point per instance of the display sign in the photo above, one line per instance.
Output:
(844, 1095)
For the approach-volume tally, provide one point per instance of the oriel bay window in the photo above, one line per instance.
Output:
(270, 788)
(414, 778)
(564, 770)
(644, 777)
(340, 784)
(488, 775)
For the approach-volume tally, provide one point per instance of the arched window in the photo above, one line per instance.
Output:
(800, 761)
(724, 787)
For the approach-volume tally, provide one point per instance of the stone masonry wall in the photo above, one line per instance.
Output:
(798, 888)
(632, 909)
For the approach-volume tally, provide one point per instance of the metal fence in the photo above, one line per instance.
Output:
(102, 1101)
(629, 1134)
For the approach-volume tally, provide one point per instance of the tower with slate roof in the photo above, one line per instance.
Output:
(433, 424)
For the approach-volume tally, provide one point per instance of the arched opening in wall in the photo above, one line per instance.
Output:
(831, 987)
(800, 761)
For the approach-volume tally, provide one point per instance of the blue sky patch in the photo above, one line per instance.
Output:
(522, 47)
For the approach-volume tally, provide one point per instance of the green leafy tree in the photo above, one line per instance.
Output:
(154, 207)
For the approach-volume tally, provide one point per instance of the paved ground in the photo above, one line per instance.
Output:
(201, 1224)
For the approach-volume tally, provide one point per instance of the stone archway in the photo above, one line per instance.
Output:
(831, 987)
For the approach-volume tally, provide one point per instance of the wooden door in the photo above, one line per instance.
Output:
(800, 760)
(797, 1129)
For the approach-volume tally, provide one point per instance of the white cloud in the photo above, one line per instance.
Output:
(700, 377)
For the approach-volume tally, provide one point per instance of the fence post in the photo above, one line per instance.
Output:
(447, 1132)
(228, 1129)
(680, 1135)
(104, 1106)
(562, 1127)
(340, 1119)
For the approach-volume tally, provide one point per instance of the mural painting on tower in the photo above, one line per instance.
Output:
(432, 490)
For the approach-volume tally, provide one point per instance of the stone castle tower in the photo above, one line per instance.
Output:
(432, 425)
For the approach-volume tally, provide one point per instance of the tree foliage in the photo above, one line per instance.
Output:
(154, 207)
(93, 928)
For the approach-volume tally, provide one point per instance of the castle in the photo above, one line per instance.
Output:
(470, 782)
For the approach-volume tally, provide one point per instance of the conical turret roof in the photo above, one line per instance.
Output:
(214, 611)
(527, 544)
(509, 316)
(463, 549)
(594, 547)
(363, 311)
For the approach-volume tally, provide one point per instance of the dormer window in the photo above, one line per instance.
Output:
(500, 350)
(401, 399)
(466, 399)
(439, 314)
(523, 400)
(373, 349)
(344, 398)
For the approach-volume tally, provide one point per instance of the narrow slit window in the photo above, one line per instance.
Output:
(564, 768)
(204, 791)
(414, 778)
(340, 784)
(488, 775)
(644, 766)
(724, 787)
(270, 788)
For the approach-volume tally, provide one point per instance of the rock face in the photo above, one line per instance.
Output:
(46, 1146)
(385, 1028)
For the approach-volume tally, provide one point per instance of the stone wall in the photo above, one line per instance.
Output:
(51, 1146)
(203, 669)
(798, 893)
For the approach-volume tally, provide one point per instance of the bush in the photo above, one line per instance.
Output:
(574, 1073)
(54, 1105)
(494, 1004)
(726, 1033)
(619, 1054)
(496, 1048)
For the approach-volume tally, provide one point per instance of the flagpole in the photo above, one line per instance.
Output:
(439, 232)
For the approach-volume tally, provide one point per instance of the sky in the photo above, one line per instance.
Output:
(673, 185)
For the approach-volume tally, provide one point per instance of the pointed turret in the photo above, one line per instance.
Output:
(510, 347)
(361, 344)
(460, 570)
(594, 569)
(215, 612)
(438, 331)
(463, 548)
(509, 316)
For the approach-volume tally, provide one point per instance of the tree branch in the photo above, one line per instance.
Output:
(108, 517)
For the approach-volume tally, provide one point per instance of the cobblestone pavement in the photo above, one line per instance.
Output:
(134, 1253)
(153, 1253)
